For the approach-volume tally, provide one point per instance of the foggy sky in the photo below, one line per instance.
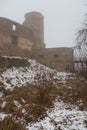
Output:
(62, 18)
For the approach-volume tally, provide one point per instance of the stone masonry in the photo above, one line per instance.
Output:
(27, 40)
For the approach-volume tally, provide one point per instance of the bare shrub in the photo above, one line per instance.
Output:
(10, 124)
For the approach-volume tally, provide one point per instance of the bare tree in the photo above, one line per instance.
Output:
(81, 50)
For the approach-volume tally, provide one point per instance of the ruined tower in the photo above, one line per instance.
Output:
(35, 22)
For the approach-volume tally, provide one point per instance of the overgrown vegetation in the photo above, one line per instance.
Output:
(6, 62)
(10, 124)
(74, 92)
(29, 102)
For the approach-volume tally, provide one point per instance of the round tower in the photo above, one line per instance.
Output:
(35, 22)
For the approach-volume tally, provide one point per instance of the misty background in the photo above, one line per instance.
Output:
(62, 18)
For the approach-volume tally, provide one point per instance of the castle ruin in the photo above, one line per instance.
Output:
(27, 40)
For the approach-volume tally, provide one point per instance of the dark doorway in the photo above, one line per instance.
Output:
(14, 40)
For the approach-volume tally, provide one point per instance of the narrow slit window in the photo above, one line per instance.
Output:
(13, 27)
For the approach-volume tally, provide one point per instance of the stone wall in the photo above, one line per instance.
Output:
(14, 38)
(19, 40)
(60, 59)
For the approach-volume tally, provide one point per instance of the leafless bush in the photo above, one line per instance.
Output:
(81, 51)
(10, 124)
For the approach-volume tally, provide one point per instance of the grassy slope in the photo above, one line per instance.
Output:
(32, 101)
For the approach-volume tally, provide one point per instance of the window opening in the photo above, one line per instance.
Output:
(13, 27)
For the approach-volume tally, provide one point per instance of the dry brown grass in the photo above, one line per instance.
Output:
(36, 99)
(10, 124)
(6, 62)
(74, 92)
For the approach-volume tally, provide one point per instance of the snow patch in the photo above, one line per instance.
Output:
(2, 116)
(64, 117)
(3, 105)
(20, 76)
(17, 104)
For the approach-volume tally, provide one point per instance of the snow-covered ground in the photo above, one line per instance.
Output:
(62, 117)
(19, 76)
(2, 116)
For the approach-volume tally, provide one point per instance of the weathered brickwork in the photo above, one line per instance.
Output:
(27, 40)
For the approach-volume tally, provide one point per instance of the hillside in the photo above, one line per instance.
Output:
(18, 72)
(35, 97)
